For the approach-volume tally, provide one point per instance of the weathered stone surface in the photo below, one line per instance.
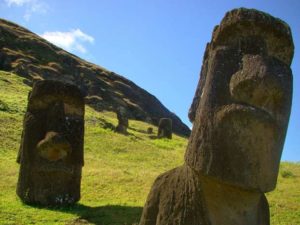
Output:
(240, 112)
(176, 198)
(165, 128)
(245, 100)
(51, 151)
(185, 197)
(122, 120)
(242, 25)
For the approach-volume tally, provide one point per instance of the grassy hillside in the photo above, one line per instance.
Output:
(118, 171)
(34, 58)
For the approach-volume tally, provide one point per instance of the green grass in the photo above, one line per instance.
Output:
(285, 200)
(118, 172)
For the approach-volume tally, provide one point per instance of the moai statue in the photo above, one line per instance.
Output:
(51, 152)
(149, 130)
(122, 120)
(165, 128)
(240, 112)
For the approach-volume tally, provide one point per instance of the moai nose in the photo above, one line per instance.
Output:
(261, 83)
(53, 147)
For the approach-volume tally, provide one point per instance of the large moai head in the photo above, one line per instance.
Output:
(165, 128)
(242, 104)
(51, 152)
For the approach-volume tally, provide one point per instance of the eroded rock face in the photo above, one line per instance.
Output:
(165, 128)
(122, 120)
(51, 151)
(240, 114)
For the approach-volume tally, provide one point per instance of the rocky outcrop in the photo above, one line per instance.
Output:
(34, 58)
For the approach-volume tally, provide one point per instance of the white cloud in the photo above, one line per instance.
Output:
(31, 6)
(71, 41)
(16, 2)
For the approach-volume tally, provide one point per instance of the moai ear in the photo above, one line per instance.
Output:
(199, 89)
(28, 96)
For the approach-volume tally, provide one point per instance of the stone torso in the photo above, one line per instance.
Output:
(175, 199)
(183, 197)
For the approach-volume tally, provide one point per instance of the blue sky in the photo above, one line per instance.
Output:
(158, 44)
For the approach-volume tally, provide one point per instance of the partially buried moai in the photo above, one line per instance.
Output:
(51, 152)
(165, 128)
(122, 120)
(240, 114)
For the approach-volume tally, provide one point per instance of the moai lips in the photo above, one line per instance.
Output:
(51, 152)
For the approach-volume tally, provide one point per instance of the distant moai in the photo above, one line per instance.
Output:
(122, 120)
(165, 128)
(149, 130)
(51, 151)
(240, 114)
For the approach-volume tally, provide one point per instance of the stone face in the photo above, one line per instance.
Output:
(244, 103)
(51, 151)
(240, 114)
(165, 128)
(122, 120)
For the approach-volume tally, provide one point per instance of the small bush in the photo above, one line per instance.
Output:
(4, 107)
(287, 174)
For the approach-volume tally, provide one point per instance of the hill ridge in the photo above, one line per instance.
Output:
(34, 58)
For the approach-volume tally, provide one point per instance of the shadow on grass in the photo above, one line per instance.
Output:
(102, 215)
(153, 137)
(138, 130)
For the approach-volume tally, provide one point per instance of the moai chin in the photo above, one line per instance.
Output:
(240, 114)
(51, 151)
(122, 120)
(165, 128)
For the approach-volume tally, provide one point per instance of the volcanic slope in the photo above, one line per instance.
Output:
(32, 57)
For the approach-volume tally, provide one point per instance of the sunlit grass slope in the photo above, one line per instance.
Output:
(118, 171)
